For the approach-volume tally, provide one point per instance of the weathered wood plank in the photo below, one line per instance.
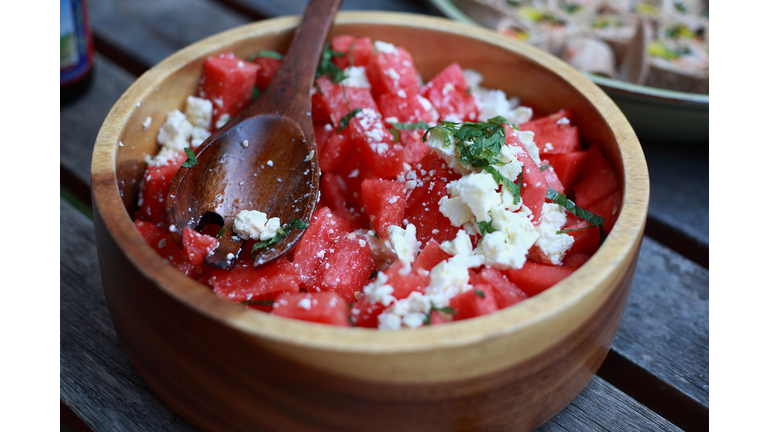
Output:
(81, 120)
(151, 30)
(99, 384)
(665, 328)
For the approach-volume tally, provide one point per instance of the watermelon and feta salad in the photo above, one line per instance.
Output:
(440, 201)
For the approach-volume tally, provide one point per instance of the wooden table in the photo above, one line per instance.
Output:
(656, 376)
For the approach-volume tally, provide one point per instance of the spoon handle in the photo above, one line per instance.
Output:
(289, 91)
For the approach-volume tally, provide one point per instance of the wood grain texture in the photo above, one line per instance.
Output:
(103, 389)
(665, 329)
(460, 373)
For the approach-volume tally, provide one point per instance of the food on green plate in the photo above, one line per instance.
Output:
(439, 202)
(660, 43)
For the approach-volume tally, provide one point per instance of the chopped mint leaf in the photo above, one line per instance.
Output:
(344, 122)
(543, 167)
(480, 293)
(266, 53)
(191, 159)
(562, 200)
(258, 302)
(486, 227)
(410, 126)
(479, 143)
(395, 134)
(515, 188)
(255, 93)
(352, 54)
(445, 309)
(282, 232)
(221, 232)
(328, 67)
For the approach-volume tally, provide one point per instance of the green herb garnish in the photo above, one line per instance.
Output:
(445, 309)
(351, 54)
(258, 302)
(191, 159)
(563, 201)
(328, 67)
(395, 134)
(486, 227)
(281, 233)
(267, 53)
(569, 7)
(344, 122)
(479, 145)
(221, 232)
(255, 93)
(480, 293)
(410, 126)
(543, 167)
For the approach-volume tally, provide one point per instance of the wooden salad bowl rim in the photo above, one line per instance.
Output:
(587, 286)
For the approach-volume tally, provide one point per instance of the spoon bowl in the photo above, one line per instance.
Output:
(263, 159)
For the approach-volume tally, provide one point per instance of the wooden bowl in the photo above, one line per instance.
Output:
(227, 368)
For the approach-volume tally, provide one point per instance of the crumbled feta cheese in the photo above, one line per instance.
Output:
(176, 131)
(304, 303)
(309, 156)
(379, 291)
(403, 242)
(147, 123)
(223, 119)
(552, 246)
(563, 121)
(253, 224)
(162, 157)
(356, 77)
(199, 135)
(385, 47)
(199, 112)
(478, 192)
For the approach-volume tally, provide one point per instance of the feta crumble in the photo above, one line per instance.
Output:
(253, 224)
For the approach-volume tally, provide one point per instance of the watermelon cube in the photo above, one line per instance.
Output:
(391, 71)
(376, 143)
(535, 186)
(309, 258)
(337, 149)
(596, 181)
(554, 134)
(361, 50)
(246, 282)
(506, 293)
(347, 268)
(154, 189)
(365, 313)
(479, 300)
(430, 255)
(197, 246)
(228, 82)
(449, 93)
(268, 67)
(162, 242)
(534, 278)
(567, 166)
(319, 307)
(384, 202)
(338, 100)
(407, 106)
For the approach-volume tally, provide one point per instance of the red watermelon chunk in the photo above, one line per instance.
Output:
(479, 300)
(319, 307)
(268, 67)
(338, 101)
(596, 181)
(425, 214)
(506, 293)
(228, 82)
(337, 197)
(535, 186)
(384, 202)
(430, 256)
(361, 50)
(551, 176)
(320, 115)
(448, 93)
(607, 208)
(415, 148)
(534, 278)
(575, 260)
(404, 283)
(337, 149)
(585, 240)
(366, 314)
(154, 189)
(246, 282)
(376, 143)
(555, 130)
(162, 242)
(353, 172)
(310, 254)
(567, 166)
(197, 246)
(322, 133)
(388, 72)
(407, 106)
(348, 267)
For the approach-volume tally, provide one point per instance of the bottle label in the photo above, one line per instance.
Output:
(75, 40)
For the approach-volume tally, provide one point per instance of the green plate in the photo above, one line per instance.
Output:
(655, 114)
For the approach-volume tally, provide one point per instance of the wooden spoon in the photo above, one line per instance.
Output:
(263, 159)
